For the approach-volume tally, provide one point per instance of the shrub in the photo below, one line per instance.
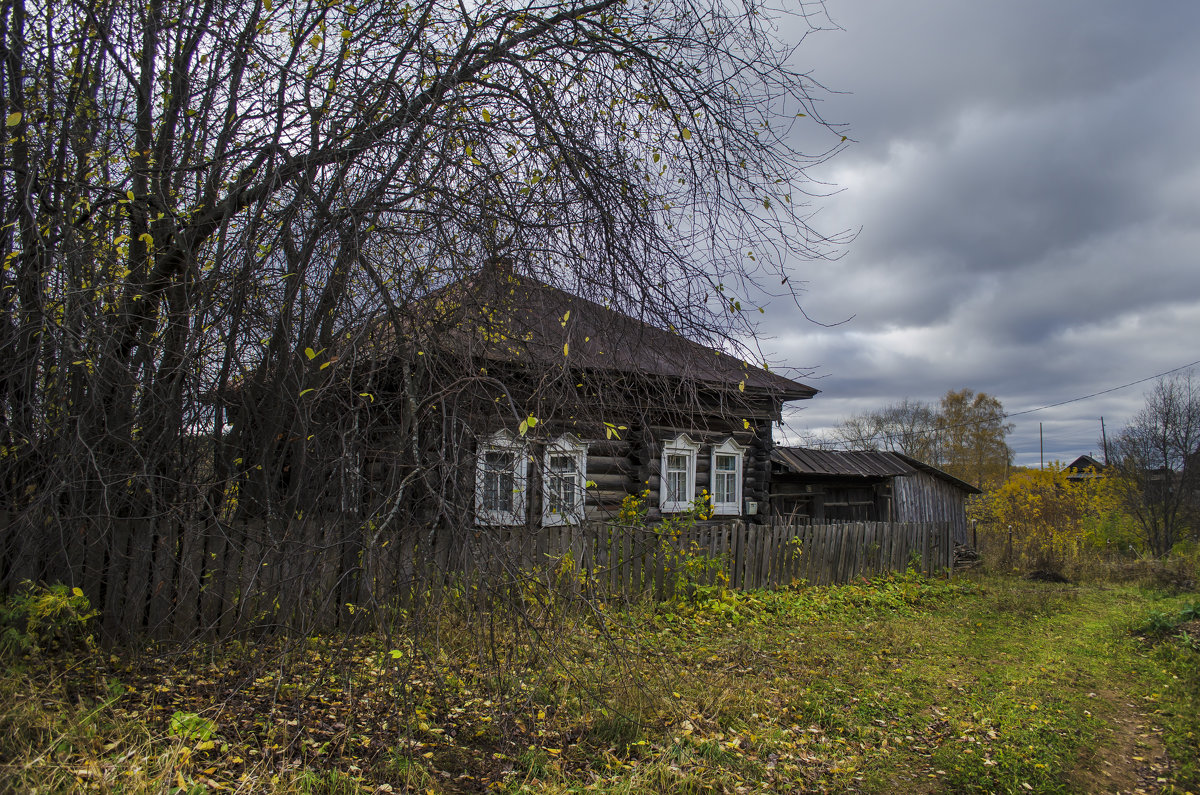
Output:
(1051, 521)
(46, 619)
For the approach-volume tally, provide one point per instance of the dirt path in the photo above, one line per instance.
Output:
(1134, 760)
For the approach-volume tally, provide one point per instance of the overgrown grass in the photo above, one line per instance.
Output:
(901, 684)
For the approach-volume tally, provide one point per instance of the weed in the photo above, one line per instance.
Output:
(191, 727)
(1157, 624)
(332, 782)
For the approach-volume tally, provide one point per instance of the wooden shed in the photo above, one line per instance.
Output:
(834, 485)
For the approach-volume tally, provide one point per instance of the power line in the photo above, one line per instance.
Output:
(1008, 415)
(1103, 391)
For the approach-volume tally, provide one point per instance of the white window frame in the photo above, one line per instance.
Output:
(502, 441)
(565, 445)
(681, 445)
(738, 451)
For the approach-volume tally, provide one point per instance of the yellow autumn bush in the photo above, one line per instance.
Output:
(1051, 520)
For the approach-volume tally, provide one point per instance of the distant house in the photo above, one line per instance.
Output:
(1084, 468)
(552, 408)
(830, 485)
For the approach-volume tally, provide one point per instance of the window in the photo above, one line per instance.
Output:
(500, 480)
(677, 489)
(564, 475)
(727, 478)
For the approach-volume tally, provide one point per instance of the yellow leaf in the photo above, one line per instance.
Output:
(77, 591)
(305, 392)
(310, 353)
(346, 35)
(486, 116)
(566, 348)
(13, 119)
(686, 134)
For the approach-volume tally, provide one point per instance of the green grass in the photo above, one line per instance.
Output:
(902, 684)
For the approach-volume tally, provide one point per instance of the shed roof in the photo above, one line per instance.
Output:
(859, 464)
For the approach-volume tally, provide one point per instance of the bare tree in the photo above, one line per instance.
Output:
(1156, 462)
(964, 434)
(908, 427)
(214, 212)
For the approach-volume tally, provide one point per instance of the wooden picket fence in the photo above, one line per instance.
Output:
(643, 561)
(169, 581)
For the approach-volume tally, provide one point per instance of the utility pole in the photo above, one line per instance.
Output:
(1041, 448)
(1104, 441)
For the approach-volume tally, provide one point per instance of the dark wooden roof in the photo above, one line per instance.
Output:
(859, 464)
(1084, 462)
(500, 316)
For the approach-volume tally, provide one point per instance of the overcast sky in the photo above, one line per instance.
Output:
(1026, 179)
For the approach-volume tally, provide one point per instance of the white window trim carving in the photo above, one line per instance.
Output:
(502, 441)
(685, 446)
(727, 448)
(565, 445)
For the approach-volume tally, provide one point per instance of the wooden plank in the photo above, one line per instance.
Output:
(705, 539)
(95, 546)
(901, 545)
(770, 566)
(737, 580)
(838, 571)
(868, 560)
(857, 531)
(810, 553)
(763, 540)
(837, 553)
(164, 577)
(815, 564)
(116, 569)
(871, 549)
(887, 537)
(829, 550)
(659, 557)
(186, 615)
(248, 540)
(786, 533)
(312, 608)
(919, 538)
(787, 556)
(627, 575)
(137, 581)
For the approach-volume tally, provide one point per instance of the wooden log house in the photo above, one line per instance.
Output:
(560, 407)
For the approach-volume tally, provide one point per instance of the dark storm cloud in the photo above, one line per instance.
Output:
(1027, 185)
